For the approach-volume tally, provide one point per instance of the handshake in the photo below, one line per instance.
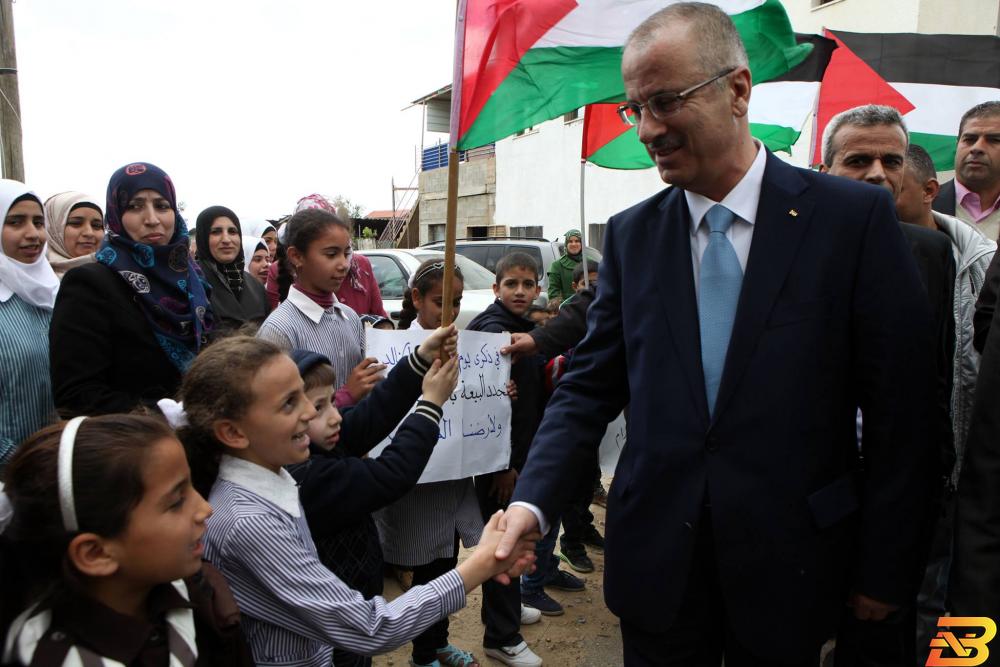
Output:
(506, 549)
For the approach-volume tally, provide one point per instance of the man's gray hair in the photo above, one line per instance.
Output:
(719, 45)
(868, 115)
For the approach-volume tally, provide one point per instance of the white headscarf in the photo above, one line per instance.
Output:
(250, 246)
(258, 228)
(35, 283)
(57, 210)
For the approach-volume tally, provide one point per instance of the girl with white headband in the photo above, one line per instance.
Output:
(101, 552)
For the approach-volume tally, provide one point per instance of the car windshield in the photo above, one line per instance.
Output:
(474, 276)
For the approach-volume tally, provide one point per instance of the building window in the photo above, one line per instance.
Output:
(575, 114)
(477, 232)
(527, 130)
(435, 233)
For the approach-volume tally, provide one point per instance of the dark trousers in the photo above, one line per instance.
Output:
(701, 634)
(501, 611)
(427, 643)
(577, 518)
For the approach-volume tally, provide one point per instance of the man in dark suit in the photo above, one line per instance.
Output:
(744, 314)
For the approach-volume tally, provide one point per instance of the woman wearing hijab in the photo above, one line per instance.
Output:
(125, 328)
(236, 298)
(561, 270)
(255, 252)
(75, 228)
(27, 293)
(268, 233)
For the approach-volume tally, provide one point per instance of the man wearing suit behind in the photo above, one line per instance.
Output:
(744, 335)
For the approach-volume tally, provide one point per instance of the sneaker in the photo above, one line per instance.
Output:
(601, 496)
(452, 656)
(593, 539)
(541, 601)
(517, 656)
(530, 615)
(564, 581)
(576, 557)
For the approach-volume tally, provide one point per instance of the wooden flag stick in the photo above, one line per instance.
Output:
(448, 315)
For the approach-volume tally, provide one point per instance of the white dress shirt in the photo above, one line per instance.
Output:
(742, 200)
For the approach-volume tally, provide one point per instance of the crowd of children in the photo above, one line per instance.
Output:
(210, 500)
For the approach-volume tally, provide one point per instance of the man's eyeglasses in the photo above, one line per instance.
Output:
(662, 105)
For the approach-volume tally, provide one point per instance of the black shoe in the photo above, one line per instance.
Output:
(542, 602)
(593, 539)
(576, 557)
(564, 581)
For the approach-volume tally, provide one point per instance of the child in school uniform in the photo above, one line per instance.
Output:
(339, 490)
(421, 531)
(517, 286)
(100, 559)
(318, 255)
(248, 417)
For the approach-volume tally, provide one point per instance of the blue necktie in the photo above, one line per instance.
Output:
(719, 285)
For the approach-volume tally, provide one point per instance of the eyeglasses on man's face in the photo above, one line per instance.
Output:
(662, 105)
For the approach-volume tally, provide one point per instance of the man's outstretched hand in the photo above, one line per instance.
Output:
(516, 522)
(521, 345)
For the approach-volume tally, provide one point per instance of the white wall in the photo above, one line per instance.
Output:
(538, 181)
(963, 17)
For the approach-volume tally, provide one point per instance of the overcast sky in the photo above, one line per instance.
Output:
(246, 103)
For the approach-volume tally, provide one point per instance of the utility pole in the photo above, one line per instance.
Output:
(10, 101)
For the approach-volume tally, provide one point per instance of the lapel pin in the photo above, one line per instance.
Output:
(792, 212)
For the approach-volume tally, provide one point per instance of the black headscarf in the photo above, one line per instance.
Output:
(231, 271)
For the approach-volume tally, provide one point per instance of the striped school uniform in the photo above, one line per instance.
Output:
(25, 384)
(294, 609)
(299, 323)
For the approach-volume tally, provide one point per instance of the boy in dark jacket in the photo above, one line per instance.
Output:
(339, 490)
(517, 286)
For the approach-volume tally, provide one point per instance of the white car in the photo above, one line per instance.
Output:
(394, 266)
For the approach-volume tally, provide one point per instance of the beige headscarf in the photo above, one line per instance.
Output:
(57, 210)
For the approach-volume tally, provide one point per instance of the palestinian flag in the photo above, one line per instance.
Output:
(779, 108)
(931, 79)
(527, 61)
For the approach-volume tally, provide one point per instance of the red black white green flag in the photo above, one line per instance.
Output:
(931, 79)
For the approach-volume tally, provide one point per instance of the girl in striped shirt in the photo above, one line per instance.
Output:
(101, 552)
(318, 255)
(248, 416)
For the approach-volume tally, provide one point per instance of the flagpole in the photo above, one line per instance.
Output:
(447, 314)
(583, 226)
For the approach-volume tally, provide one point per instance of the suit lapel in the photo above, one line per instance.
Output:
(783, 216)
(672, 234)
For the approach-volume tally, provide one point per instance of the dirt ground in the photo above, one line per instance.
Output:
(586, 635)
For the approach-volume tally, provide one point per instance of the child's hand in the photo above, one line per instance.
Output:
(440, 381)
(363, 378)
(443, 337)
(512, 390)
(482, 565)
(503, 485)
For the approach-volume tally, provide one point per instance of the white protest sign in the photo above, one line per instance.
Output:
(474, 436)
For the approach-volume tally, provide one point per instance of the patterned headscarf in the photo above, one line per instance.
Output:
(319, 201)
(57, 210)
(167, 282)
(231, 271)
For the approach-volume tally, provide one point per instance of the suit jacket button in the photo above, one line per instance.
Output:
(712, 443)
